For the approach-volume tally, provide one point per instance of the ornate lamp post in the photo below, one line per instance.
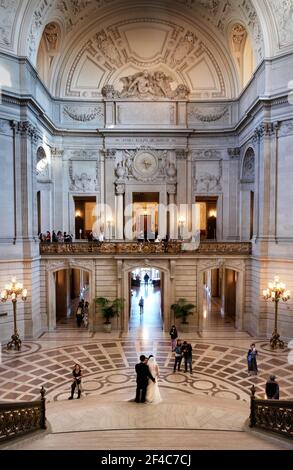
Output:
(276, 291)
(13, 290)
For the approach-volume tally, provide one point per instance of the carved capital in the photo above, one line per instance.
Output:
(181, 154)
(234, 152)
(110, 154)
(172, 189)
(57, 152)
(120, 188)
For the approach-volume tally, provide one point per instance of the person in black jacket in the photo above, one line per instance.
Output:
(143, 374)
(272, 388)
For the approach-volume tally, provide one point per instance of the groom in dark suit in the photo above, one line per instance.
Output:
(143, 374)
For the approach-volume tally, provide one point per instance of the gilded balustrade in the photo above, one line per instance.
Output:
(144, 248)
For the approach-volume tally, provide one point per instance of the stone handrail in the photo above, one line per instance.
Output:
(275, 416)
(125, 247)
(17, 419)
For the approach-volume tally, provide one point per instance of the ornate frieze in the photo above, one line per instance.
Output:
(208, 113)
(81, 114)
(147, 85)
(210, 154)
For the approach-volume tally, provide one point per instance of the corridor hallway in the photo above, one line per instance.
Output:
(150, 320)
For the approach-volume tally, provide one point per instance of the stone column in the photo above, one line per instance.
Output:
(173, 232)
(119, 225)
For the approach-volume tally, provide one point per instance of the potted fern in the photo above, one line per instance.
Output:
(109, 309)
(182, 309)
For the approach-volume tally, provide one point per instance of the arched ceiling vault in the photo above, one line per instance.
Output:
(269, 24)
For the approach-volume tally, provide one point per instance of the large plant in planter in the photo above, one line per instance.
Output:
(109, 308)
(182, 309)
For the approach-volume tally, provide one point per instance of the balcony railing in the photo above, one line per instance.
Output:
(274, 416)
(125, 247)
(17, 419)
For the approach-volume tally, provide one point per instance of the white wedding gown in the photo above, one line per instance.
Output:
(153, 395)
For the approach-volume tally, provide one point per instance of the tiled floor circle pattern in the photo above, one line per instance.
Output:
(108, 366)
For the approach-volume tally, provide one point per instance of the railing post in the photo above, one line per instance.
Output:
(252, 407)
(43, 409)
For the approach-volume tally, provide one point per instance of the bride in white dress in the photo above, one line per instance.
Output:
(153, 395)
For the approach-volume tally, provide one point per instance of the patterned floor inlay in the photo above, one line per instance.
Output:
(219, 370)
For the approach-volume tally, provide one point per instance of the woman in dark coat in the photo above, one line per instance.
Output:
(251, 360)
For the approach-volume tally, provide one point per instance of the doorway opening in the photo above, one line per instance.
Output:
(146, 290)
(72, 286)
(85, 218)
(206, 208)
(146, 215)
(219, 298)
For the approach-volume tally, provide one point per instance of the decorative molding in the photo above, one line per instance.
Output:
(181, 154)
(57, 152)
(82, 182)
(248, 167)
(283, 10)
(208, 114)
(286, 128)
(210, 154)
(207, 177)
(51, 35)
(144, 164)
(146, 85)
(8, 10)
(83, 155)
(234, 152)
(120, 188)
(89, 114)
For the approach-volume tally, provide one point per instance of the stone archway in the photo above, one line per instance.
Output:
(51, 268)
(234, 265)
(123, 288)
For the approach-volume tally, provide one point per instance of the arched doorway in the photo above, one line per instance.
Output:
(67, 285)
(160, 295)
(72, 287)
(220, 298)
(146, 305)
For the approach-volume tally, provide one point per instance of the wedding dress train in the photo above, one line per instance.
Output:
(153, 394)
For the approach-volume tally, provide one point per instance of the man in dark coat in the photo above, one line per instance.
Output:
(272, 388)
(143, 374)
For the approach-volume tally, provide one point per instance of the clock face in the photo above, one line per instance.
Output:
(145, 164)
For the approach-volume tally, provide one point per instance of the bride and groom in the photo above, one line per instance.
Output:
(147, 390)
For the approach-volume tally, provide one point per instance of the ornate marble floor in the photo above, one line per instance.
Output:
(214, 397)
(219, 365)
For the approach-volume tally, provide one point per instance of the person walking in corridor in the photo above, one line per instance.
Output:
(141, 305)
